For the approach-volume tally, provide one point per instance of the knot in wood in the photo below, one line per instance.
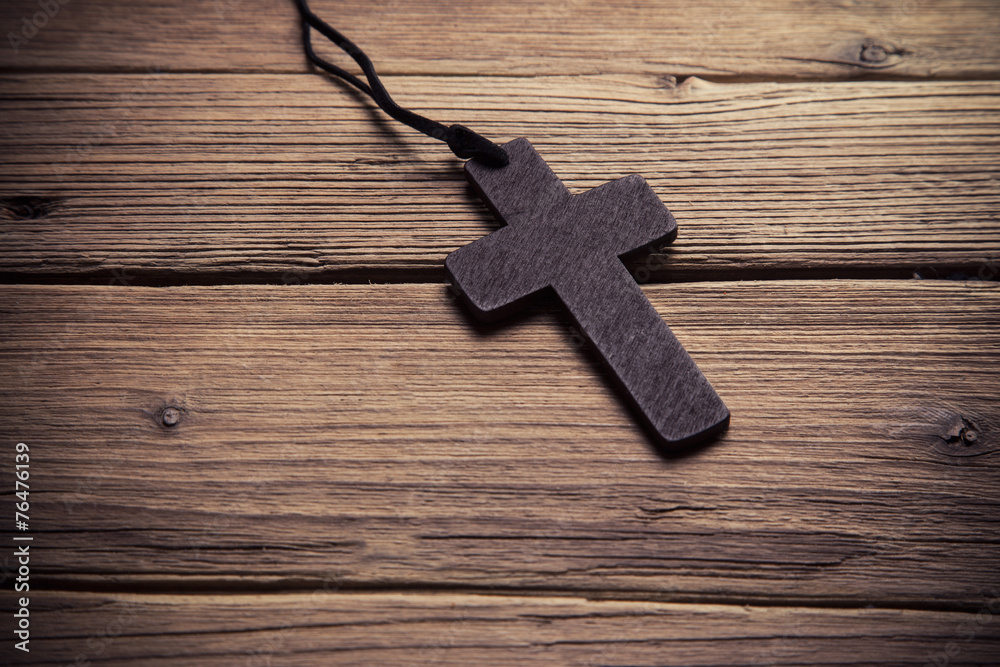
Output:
(169, 417)
(27, 208)
(873, 53)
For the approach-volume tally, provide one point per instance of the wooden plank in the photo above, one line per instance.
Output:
(731, 38)
(289, 177)
(279, 436)
(326, 628)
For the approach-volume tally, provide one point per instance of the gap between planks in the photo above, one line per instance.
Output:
(261, 585)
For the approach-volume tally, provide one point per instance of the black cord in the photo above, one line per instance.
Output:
(461, 140)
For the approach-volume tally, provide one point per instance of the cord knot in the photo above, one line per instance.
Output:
(467, 144)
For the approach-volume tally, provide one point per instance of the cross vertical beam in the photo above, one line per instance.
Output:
(573, 245)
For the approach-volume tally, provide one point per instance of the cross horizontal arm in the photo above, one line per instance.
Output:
(623, 216)
(493, 274)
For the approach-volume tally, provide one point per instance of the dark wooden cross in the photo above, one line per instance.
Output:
(574, 245)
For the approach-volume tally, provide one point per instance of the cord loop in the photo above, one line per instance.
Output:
(462, 141)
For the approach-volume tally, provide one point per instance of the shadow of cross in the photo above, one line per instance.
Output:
(573, 245)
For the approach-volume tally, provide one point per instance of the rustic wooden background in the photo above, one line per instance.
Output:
(263, 434)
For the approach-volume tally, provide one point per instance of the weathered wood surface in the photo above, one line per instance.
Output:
(741, 38)
(289, 177)
(323, 627)
(371, 434)
(372, 443)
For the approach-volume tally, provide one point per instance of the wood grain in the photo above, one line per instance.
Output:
(324, 627)
(731, 38)
(290, 178)
(359, 474)
(371, 435)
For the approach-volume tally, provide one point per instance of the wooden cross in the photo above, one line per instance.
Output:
(574, 245)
